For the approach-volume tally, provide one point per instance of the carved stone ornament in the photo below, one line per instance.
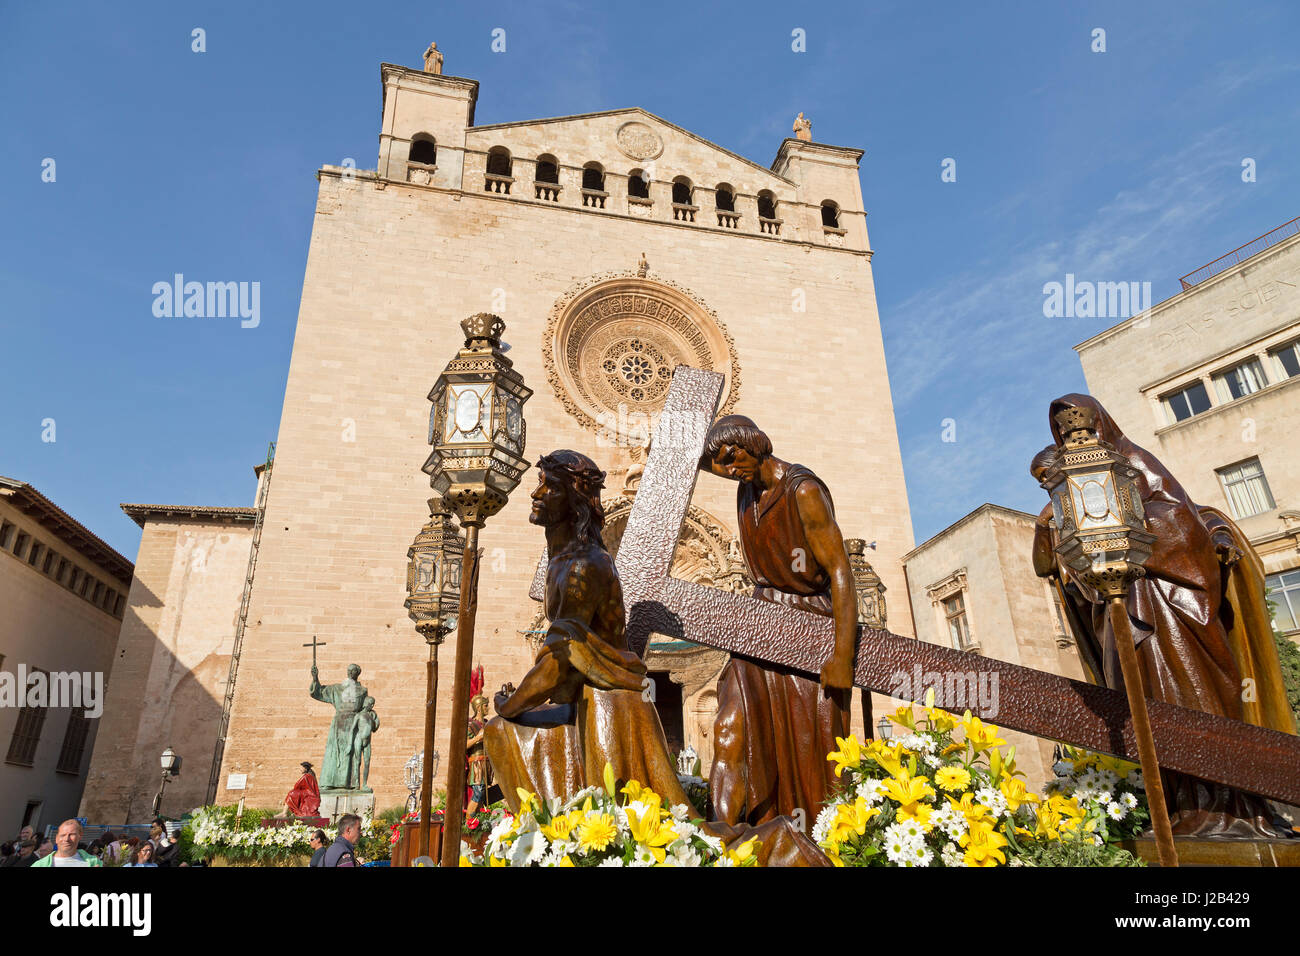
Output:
(636, 140)
(611, 344)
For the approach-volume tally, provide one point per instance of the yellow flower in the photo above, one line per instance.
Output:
(1015, 793)
(741, 854)
(528, 802)
(940, 720)
(649, 831)
(904, 717)
(979, 735)
(464, 861)
(497, 861)
(976, 814)
(848, 756)
(850, 819)
(611, 783)
(889, 756)
(596, 831)
(559, 828)
(566, 861)
(910, 793)
(983, 845)
(952, 778)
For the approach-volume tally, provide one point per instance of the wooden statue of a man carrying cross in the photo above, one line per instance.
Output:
(775, 726)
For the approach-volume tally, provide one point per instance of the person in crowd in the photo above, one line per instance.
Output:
(319, 845)
(25, 856)
(69, 852)
(142, 855)
(169, 854)
(44, 847)
(342, 852)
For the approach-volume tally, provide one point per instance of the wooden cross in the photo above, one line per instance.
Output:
(1204, 745)
(313, 645)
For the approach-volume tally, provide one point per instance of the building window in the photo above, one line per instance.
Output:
(683, 192)
(1284, 591)
(767, 204)
(830, 215)
(7, 534)
(593, 177)
(1186, 402)
(725, 198)
(548, 169)
(35, 557)
(424, 150)
(27, 734)
(62, 575)
(74, 742)
(498, 163)
(1246, 488)
(50, 558)
(1245, 379)
(1286, 360)
(20, 546)
(638, 184)
(954, 610)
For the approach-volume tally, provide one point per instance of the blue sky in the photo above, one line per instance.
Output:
(1115, 166)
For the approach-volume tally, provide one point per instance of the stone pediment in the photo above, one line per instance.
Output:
(627, 139)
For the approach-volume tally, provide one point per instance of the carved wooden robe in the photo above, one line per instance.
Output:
(774, 726)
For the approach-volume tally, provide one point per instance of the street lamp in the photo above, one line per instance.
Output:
(477, 432)
(413, 777)
(171, 767)
(1102, 537)
(885, 728)
(432, 601)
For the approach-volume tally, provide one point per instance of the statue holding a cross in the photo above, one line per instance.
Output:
(340, 771)
(775, 726)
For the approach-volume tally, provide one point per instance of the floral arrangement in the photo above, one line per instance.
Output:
(604, 827)
(927, 799)
(1109, 790)
(214, 832)
(481, 820)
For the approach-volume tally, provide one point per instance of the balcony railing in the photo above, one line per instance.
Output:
(769, 227)
(493, 183)
(684, 213)
(550, 192)
(594, 198)
(728, 220)
(1241, 253)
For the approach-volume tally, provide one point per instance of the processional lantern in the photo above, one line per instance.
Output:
(433, 575)
(1097, 506)
(1102, 537)
(477, 426)
(477, 431)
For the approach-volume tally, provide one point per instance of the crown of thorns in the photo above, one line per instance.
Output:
(587, 479)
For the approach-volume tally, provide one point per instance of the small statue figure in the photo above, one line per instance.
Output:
(348, 698)
(775, 726)
(642, 267)
(432, 59)
(803, 128)
(478, 773)
(367, 724)
(304, 799)
(1199, 620)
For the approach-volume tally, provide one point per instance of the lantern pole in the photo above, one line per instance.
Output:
(1135, 688)
(451, 817)
(432, 634)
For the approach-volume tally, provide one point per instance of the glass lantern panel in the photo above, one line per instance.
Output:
(426, 569)
(1093, 497)
(468, 413)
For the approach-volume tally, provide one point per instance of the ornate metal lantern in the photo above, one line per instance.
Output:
(477, 425)
(413, 777)
(433, 574)
(1097, 506)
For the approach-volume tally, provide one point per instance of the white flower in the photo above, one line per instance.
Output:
(1129, 800)
(952, 855)
(713, 843)
(1116, 811)
(685, 855)
(611, 861)
(992, 799)
(528, 848)
(822, 825)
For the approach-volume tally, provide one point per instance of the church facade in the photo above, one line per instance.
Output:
(615, 246)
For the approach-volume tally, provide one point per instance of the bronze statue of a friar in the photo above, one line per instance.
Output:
(1199, 620)
(584, 703)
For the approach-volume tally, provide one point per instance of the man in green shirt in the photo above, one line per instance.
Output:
(67, 852)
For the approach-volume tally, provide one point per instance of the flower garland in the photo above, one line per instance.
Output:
(213, 835)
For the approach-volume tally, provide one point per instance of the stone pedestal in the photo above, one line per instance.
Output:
(336, 803)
